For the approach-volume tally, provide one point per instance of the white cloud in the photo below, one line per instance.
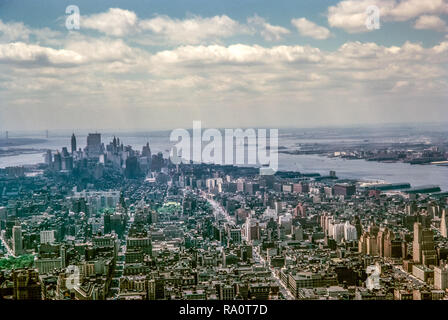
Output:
(115, 22)
(268, 31)
(430, 23)
(238, 54)
(76, 53)
(19, 52)
(408, 9)
(104, 50)
(13, 31)
(107, 75)
(192, 30)
(351, 15)
(18, 31)
(310, 29)
(163, 29)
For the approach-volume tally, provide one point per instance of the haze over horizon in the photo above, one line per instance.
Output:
(153, 64)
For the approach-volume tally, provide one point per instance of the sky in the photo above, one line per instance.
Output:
(141, 64)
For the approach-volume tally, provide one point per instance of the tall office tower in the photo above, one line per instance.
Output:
(443, 224)
(362, 243)
(17, 240)
(132, 167)
(73, 143)
(94, 144)
(64, 152)
(416, 246)
(392, 247)
(107, 223)
(423, 246)
(358, 226)
(48, 158)
(157, 162)
(350, 233)
(67, 163)
(57, 163)
(372, 245)
(368, 244)
(385, 243)
(380, 241)
(441, 276)
(146, 151)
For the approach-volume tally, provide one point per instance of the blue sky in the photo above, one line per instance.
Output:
(229, 63)
(39, 14)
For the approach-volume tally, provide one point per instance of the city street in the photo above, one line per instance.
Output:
(415, 281)
(219, 211)
(10, 252)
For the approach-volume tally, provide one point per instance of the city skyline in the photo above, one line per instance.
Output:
(149, 64)
(223, 158)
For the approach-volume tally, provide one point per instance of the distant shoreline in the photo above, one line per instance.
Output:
(15, 142)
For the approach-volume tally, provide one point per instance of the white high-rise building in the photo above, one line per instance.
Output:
(350, 232)
(443, 226)
(47, 236)
(441, 277)
(338, 232)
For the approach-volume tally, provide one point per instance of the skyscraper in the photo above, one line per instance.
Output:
(73, 143)
(132, 167)
(358, 226)
(423, 246)
(443, 225)
(93, 144)
(57, 163)
(146, 151)
(48, 158)
(17, 240)
(441, 277)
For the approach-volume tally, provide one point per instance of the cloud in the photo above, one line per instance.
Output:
(310, 29)
(13, 31)
(112, 76)
(192, 30)
(408, 9)
(19, 52)
(18, 31)
(114, 22)
(430, 23)
(268, 31)
(238, 54)
(76, 53)
(163, 29)
(351, 15)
